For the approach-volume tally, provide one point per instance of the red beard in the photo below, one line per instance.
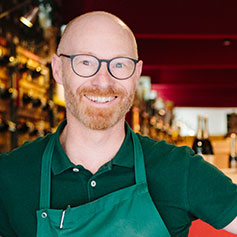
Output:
(94, 117)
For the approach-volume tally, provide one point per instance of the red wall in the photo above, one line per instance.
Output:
(181, 45)
(201, 229)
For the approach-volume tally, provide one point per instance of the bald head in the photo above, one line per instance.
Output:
(98, 32)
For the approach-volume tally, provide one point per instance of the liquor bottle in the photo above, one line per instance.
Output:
(198, 141)
(232, 155)
(207, 146)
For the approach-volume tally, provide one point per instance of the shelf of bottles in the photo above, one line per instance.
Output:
(26, 105)
(152, 116)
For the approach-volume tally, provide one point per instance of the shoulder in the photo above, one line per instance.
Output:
(163, 152)
(166, 163)
(24, 157)
(181, 182)
(178, 164)
(167, 169)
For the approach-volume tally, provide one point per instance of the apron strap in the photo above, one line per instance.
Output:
(139, 165)
(45, 183)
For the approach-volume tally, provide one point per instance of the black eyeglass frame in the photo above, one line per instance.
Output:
(108, 61)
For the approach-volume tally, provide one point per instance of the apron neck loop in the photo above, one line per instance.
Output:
(45, 184)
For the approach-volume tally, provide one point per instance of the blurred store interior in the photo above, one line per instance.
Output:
(189, 51)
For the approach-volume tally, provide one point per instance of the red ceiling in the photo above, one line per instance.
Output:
(181, 44)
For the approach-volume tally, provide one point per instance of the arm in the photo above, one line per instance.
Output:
(212, 196)
(232, 227)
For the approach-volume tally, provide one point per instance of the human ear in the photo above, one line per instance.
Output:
(57, 68)
(139, 70)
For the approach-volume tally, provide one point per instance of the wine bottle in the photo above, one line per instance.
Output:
(4, 60)
(22, 128)
(3, 125)
(36, 102)
(198, 141)
(232, 155)
(5, 93)
(208, 153)
(26, 99)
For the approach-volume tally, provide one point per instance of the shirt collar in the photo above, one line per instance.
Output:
(60, 160)
(124, 156)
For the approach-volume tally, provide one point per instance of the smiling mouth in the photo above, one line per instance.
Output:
(100, 99)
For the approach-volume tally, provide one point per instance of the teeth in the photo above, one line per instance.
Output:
(100, 99)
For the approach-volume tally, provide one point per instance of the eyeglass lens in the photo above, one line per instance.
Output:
(87, 65)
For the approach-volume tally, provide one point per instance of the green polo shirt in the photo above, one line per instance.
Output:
(183, 186)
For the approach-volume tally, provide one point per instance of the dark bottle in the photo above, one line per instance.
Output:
(36, 102)
(207, 146)
(35, 74)
(232, 155)
(22, 68)
(3, 125)
(22, 128)
(26, 99)
(208, 153)
(198, 141)
(34, 132)
(5, 93)
(46, 107)
(4, 60)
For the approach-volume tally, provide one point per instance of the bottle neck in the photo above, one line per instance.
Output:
(205, 129)
(232, 145)
(199, 128)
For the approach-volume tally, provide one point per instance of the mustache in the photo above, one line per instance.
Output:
(100, 92)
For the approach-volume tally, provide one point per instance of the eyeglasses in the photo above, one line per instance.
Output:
(85, 65)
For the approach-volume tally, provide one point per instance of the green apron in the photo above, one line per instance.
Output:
(126, 212)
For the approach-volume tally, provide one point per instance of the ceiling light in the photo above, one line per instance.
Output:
(227, 42)
(29, 18)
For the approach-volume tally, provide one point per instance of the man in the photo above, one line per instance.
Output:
(94, 176)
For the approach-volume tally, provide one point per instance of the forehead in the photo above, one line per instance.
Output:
(100, 36)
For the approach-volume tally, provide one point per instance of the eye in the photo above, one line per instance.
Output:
(86, 62)
(119, 65)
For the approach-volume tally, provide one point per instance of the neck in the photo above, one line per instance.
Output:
(91, 148)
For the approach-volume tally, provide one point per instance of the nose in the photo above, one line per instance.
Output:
(102, 78)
